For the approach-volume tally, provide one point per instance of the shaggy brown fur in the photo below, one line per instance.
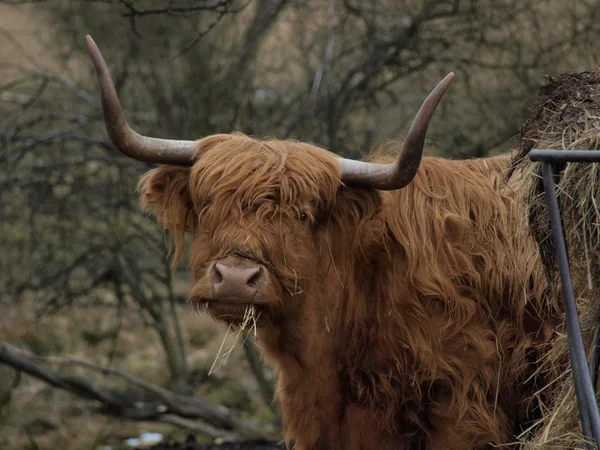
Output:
(401, 320)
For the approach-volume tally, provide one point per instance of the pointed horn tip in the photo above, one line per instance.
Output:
(95, 54)
(446, 81)
(91, 45)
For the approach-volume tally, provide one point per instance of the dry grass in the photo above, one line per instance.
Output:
(566, 117)
(250, 318)
(57, 419)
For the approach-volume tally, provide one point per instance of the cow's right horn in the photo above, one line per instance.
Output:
(126, 140)
(398, 174)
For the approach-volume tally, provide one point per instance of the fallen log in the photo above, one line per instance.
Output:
(156, 404)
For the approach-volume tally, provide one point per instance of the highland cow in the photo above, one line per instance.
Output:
(399, 299)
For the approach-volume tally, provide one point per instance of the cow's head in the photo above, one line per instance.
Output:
(254, 207)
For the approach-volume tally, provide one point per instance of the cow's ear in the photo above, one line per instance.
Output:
(165, 192)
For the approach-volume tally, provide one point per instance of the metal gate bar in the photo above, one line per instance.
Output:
(584, 387)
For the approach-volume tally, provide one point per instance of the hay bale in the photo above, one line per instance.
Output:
(566, 117)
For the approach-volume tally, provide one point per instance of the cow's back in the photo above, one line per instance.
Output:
(467, 309)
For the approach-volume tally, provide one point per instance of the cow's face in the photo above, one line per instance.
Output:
(254, 207)
(255, 210)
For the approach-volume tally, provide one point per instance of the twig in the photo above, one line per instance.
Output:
(203, 428)
(197, 38)
(173, 9)
(171, 408)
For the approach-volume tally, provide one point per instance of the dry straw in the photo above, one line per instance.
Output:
(250, 318)
(567, 117)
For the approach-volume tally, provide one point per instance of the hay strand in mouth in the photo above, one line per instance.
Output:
(212, 368)
(250, 318)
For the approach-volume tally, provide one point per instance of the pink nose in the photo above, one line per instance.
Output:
(235, 279)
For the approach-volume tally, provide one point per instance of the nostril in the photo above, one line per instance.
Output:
(255, 278)
(215, 274)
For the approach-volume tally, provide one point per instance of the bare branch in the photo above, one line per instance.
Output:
(197, 38)
(175, 9)
(168, 407)
(327, 60)
(188, 424)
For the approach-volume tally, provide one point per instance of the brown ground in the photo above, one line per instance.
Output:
(56, 419)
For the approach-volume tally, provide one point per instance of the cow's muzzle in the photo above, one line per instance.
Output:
(233, 286)
(236, 279)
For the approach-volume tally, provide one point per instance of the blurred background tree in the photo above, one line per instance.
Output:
(345, 74)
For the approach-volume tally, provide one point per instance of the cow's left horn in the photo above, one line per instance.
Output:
(127, 141)
(398, 174)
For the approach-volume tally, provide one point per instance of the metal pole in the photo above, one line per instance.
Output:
(586, 397)
(556, 156)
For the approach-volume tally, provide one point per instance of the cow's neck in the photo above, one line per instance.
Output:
(308, 352)
(301, 344)
(307, 377)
